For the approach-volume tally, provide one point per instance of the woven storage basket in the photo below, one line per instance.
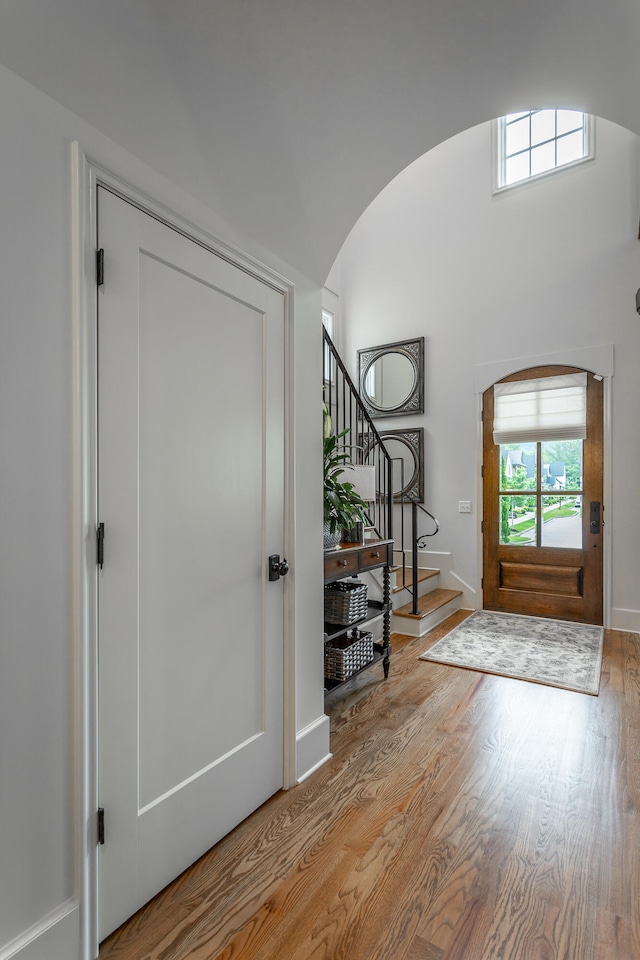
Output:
(345, 602)
(346, 654)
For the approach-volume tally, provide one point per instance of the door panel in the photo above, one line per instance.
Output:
(535, 578)
(540, 556)
(185, 454)
(191, 470)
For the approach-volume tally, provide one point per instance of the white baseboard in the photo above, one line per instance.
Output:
(55, 937)
(469, 596)
(312, 748)
(435, 560)
(625, 619)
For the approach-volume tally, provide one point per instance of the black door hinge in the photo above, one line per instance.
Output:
(100, 545)
(100, 266)
(101, 825)
(482, 526)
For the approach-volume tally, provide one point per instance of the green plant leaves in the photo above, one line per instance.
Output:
(343, 506)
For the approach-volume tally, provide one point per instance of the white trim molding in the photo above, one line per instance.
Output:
(84, 519)
(597, 359)
(627, 620)
(55, 937)
(86, 175)
(312, 747)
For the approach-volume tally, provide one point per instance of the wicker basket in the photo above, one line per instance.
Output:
(345, 602)
(346, 654)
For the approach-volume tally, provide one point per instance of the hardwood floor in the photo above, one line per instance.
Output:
(463, 817)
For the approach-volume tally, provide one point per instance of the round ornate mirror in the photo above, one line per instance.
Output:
(405, 464)
(392, 378)
(406, 449)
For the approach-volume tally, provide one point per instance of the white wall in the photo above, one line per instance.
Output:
(289, 117)
(39, 883)
(242, 130)
(548, 267)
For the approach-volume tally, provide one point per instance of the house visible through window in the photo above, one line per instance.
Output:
(534, 143)
(541, 494)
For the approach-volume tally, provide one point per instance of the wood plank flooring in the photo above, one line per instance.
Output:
(463, 817)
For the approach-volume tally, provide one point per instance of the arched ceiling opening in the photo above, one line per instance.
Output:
(287, 118)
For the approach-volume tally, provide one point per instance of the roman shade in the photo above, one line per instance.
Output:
(550, 408)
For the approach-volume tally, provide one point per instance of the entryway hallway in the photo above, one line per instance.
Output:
(463, 817)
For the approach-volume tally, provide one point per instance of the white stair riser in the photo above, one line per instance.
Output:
(418, 627)
(424, 586)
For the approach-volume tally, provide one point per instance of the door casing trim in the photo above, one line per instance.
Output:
(86, 174)
(597, 358)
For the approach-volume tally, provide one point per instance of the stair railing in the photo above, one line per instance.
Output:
(418, 542)
(348, 412)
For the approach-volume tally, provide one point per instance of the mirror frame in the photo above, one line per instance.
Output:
(413, 350)
(414, 440)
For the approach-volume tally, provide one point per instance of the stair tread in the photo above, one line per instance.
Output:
(424, 573)
(428, 603)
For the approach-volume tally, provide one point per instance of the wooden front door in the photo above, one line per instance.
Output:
(542, 524)
(191, 474)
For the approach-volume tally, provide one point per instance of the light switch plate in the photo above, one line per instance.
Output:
(464, 506)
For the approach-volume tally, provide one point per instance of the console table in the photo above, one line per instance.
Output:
(349, 560)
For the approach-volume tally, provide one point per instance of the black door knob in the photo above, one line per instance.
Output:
(277, 567)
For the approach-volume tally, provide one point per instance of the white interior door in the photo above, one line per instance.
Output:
(190, 489)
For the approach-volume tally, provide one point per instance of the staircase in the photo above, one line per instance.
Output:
(417, 606)
(435, 603)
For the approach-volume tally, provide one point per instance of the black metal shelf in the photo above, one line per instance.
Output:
(375, 608)
(352, 560)
(378, 654)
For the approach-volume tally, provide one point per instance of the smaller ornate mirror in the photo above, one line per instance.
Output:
(406, 449)
(392, 378)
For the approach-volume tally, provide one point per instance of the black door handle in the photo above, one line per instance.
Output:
(594, 516)
(277, 567)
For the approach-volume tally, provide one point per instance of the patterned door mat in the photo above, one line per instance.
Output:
(553, 652)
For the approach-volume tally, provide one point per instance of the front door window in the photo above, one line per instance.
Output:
(540, 494)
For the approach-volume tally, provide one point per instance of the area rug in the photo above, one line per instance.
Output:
(552, 652)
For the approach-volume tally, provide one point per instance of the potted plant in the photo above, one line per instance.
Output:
(343, 506)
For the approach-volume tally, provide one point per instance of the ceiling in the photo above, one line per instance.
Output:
(287, 117)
